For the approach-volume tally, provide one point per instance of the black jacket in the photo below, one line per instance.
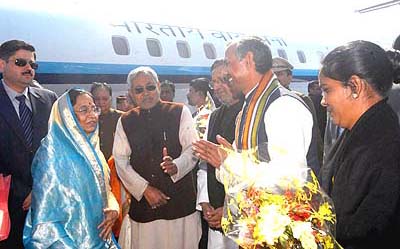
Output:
(362, 176)
(16, 157)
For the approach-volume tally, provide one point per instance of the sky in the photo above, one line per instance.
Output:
(332, 22)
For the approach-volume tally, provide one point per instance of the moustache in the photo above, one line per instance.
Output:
(28, 72)
(147, 98)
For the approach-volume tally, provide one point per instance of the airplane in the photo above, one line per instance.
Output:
(378, 6)
(76, 50)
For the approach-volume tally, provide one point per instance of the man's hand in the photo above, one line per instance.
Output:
(212, 153)
(155, 197)
(110, 216)
(214, 218)
(211, 215)
(167, 165)
(125, 206)
(207, 209)
(27, 202)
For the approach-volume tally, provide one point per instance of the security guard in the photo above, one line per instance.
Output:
(283, 71)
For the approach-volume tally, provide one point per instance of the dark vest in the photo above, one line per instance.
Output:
(145, 131)
(221, 122)
(262, 138)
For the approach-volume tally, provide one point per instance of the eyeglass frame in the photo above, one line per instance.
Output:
(226, 79)
(139, 90)
(85, 110)
(19, 62)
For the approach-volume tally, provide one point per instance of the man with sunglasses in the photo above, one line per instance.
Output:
(153, 155)
(210, 192)
(24, 113)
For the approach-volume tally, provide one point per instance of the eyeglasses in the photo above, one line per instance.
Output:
(149, 88)
(22, 63)
(87, 109)
(226, 79)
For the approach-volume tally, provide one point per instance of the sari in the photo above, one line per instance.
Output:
(70, 186)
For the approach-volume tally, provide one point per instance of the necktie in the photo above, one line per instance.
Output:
(25, 116)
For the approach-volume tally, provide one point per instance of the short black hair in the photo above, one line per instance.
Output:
(9, 48)
(120, 98)
(217, 63)
(169, 84)
(201, 84)
(312, 83)
(396, 43)
(98, 85)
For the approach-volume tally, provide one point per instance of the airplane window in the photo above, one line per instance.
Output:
(301, 56)
(183, 49)
(154, 47)
(282, 54)
(120, 45)
(209, 50)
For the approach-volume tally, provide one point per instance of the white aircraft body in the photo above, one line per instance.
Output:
(76, 51)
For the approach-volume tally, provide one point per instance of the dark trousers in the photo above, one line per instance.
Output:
(204, 235)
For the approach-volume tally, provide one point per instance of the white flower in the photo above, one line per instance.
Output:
(272, 224)
(303, 232)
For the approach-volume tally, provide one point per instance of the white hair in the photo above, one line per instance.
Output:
(141, 70)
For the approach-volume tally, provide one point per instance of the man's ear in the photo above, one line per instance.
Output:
(2, 65)
(249, 60)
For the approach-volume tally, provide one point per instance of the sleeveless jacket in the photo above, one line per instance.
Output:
(250, 127)
(148, 131)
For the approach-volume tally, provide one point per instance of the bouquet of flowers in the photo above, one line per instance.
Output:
(275, 205)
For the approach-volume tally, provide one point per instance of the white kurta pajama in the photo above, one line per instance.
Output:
(181, 233)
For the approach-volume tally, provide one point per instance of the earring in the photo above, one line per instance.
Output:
(355, 95)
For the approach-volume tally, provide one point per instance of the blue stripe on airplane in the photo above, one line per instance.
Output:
(86, 73)
(99, 68)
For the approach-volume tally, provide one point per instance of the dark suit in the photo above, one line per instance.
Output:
(16, 156)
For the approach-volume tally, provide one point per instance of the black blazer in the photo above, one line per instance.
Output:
(15, 156)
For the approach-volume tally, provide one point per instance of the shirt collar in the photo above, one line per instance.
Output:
(250, 92)
(12, 93)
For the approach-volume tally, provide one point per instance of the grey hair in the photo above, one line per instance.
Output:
(261, 52)
(141, 70)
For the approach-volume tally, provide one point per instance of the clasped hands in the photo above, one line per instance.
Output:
(211, 215)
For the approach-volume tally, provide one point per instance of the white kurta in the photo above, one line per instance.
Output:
(288, 125)
(182, 233)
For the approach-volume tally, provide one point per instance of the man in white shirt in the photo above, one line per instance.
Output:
(153, 157)
(273, 120)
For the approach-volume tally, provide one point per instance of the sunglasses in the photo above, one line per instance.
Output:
(149, 88)
(22, 63)
(87, 109)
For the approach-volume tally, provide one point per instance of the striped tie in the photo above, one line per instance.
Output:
(25, 115)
